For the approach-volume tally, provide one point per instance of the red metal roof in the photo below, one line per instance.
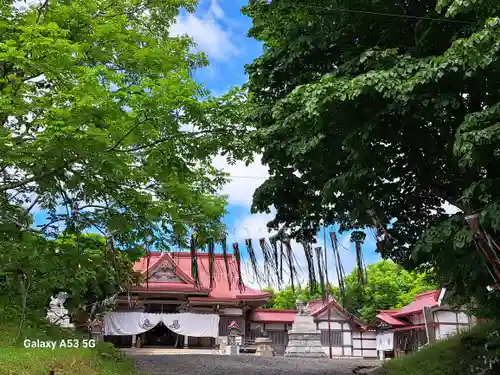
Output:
(428, 299)
(182, 263)
(273, 316)
(387, 317)
(408, 328)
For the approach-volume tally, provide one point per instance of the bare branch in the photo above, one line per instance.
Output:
(165, 139)
(33, 203)
(40, 10)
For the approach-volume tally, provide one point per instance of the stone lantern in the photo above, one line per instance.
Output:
(264, 345)
(232, 347)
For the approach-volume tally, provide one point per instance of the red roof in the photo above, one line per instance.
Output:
(221, 291)
(428, 299)
(273, 316)
(387, 317)
(315, 308)
(408, 328)
(234, 325)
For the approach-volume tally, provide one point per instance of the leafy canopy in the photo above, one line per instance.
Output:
(101, 116)
(389, 286)
(365, 118)
(287, 297)
(37, 269)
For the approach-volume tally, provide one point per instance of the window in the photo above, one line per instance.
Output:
(336, 337)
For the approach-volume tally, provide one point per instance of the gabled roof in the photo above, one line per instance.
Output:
(315, 308)
(428, 299)
(181, 263)
(387, 317)
(318, 306)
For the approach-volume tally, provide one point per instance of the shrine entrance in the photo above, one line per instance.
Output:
(160, 335)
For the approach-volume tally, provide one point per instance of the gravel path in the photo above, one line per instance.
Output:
(242, 365)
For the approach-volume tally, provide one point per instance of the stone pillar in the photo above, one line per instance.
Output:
(134, 340)
(186, 342)
(304, 340)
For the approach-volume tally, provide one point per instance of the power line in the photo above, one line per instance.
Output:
(250, 177)
(395, 15)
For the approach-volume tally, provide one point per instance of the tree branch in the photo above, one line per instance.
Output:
(33, 203)
(165, 139)
(40, 10)
(115, 146)
(15, 185)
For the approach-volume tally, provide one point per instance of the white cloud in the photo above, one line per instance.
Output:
(216, 10)
(244, 181)
(207, 33)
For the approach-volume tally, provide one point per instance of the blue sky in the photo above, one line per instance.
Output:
(219, 29)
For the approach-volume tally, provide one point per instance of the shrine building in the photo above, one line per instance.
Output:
(171, 309)
(169, 288)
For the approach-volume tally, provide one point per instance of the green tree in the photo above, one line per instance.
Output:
(101, 116)
(287, 298)
(40, 268)
(364, 118)
(389, 286)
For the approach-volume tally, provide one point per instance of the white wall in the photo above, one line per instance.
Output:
(347, 338)
(450, 323)
(338, 322)
(365, 344)
(463, 318)
(333, 326)
(445, 317)
(336, 351)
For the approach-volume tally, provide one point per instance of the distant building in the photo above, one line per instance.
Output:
(426, 319)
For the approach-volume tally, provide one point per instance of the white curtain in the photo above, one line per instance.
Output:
(385, 341)
(187, 324)
(129, 323)
(194, 325)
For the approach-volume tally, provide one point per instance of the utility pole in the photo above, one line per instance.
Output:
(327, 285)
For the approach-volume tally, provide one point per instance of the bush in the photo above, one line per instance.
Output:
(474, 352)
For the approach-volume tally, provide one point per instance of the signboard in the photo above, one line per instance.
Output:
(429, 325)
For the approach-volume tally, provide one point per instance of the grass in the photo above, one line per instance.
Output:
(15, 359)
(21, 361)
(461, 354)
